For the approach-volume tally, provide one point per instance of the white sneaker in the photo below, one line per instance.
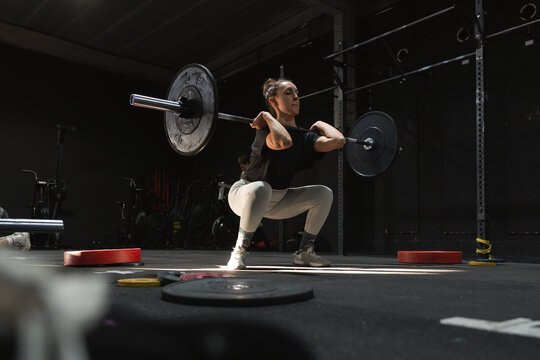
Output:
(236, 262)
(309, 258)
(21, 240)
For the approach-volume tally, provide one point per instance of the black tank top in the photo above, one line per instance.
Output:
(277, 167)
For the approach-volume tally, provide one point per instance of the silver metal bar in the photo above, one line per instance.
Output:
(400, 76)
(235, 118)
(511, 29)
(32, 225)
(173, 106)
(403, 27)
(154, 103)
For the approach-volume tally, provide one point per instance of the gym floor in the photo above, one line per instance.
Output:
(364, 307)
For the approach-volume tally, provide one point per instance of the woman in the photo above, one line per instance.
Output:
(277, 153)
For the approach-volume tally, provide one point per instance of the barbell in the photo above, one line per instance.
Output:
(32, 225)
(191, 110)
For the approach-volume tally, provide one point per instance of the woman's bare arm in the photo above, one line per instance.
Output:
(331, 138)
(278, 138)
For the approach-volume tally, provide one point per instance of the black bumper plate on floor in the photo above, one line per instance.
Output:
(235, 292)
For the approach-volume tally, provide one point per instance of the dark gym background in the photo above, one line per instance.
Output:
(426, 201)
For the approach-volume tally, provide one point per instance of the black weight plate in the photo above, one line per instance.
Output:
(189, 136)
(235, 292)
(381, 128)
(168, 277)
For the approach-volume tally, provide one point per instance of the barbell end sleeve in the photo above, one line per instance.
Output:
(155, 103)
(32, 225)
(368, 143)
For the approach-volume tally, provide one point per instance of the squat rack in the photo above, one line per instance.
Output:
(483, 245)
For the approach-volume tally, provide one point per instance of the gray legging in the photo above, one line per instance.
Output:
(254, 200)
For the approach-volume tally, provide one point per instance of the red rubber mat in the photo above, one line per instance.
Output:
(429, 257)
(101, 257)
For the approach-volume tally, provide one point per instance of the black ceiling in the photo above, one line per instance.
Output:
(152, 39)
(142, 37)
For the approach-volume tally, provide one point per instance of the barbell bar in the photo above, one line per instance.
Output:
(32, 225)
(191, 110)
(179, 108)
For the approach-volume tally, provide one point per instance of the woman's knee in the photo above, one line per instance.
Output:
(326, 194)
(256, 194)
(259, 191)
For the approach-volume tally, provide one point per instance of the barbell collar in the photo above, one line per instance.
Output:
(369, 144)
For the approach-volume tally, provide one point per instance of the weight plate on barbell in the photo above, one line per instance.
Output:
(196, 84)
(381, 128)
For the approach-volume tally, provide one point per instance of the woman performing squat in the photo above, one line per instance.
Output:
(277, 153)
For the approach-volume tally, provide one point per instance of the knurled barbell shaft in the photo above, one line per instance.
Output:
(175, 107)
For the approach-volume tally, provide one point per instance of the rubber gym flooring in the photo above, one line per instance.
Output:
(364, 307)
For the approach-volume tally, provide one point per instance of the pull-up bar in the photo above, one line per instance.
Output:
(403, 27)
